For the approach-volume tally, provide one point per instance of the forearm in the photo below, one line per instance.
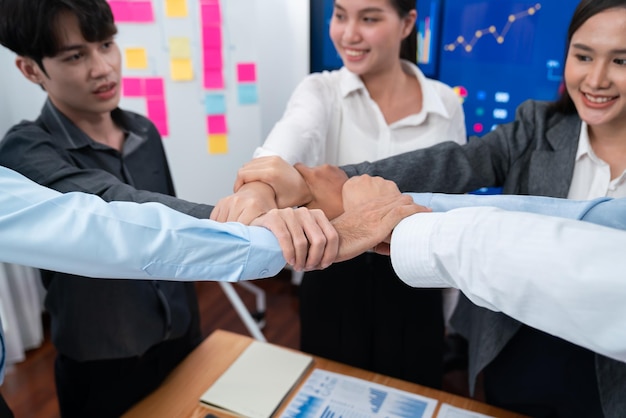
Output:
(81, 234)
(51, 166)
(561, 276)
(603, 211)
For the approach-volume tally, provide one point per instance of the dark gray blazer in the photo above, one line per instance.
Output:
(534, 155)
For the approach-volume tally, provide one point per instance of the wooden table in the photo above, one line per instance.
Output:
(179, 394)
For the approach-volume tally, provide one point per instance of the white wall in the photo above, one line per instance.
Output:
(282, 56)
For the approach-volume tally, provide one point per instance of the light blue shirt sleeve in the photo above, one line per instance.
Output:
(603, 211)
(81, 234)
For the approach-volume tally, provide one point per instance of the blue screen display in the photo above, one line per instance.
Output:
(496, 54)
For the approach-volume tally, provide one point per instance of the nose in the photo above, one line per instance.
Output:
(598, 76)
(351, 32)
(100, 65)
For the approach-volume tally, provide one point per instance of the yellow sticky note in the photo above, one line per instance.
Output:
(176, 8)
(136, 58)
(180, 48)
(181, 69)
(218, 144)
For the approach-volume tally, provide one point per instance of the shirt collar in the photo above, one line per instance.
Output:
(584, 146)
(431, 100)
(61, 126)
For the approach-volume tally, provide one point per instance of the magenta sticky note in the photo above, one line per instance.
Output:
(216, 124)
(141, 11)
(132, 87)
(246, 72)
(212, 37)
(213, 79)
(162, 126)
(212, 59)
(154, 87)
(210, 12)
(121, 11)
(156, 109)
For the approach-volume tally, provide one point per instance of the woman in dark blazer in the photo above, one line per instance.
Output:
(561, 149)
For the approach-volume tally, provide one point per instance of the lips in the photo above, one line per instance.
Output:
(354, 52)
(106, 91)
(598, 99)
(104, 88)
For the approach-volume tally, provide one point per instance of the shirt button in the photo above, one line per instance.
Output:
(264, 272)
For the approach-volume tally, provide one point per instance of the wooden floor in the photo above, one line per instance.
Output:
(29, 386)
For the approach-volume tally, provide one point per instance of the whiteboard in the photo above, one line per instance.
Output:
(272, 34)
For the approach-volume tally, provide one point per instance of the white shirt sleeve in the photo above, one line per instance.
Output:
(300, 135)
(561, 276)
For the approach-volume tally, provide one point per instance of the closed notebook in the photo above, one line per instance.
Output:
(258, 381)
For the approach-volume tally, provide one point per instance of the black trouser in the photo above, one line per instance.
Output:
(107, 388)
(5, 411)
(360, 313)
(543, 376)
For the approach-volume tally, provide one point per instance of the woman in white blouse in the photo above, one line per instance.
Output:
(378, 104)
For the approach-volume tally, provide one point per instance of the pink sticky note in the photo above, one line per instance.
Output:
(132, 87)
(141, 11)
(246, 72)
(216, 124)
(213, 79)
(212, 37)
(212, 59)
(156, 109)
(162, 126)
(121, 11)
(154, 87)
(210, 11)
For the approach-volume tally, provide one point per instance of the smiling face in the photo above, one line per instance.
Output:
(83, 78)
(368, 33)
(595, 70)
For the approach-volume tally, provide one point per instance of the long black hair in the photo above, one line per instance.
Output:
(408, 48)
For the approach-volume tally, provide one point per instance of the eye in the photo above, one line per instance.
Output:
(620, 61)
(369, 19)
(73, 57)
(339, 16)
(582, 58)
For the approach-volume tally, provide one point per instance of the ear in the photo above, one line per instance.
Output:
(409, 23)
(30, 69)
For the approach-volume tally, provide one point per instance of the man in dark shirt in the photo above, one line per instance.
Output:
(116, 339)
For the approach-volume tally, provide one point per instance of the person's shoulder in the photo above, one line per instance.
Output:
(24, 129)
(323, 78)
(441, 89)
(531, 109)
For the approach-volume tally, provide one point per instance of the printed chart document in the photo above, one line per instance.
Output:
(330, 395)
(449, 411)
(257, 382)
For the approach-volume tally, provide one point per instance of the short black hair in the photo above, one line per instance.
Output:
(29, 27)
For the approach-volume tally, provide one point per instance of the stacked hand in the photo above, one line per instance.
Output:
(364, 210)
(372, 209)
(307, 238)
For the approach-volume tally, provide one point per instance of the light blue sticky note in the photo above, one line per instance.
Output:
(214, 104)
(247, 93)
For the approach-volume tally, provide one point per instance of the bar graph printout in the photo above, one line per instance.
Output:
(330, 395)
